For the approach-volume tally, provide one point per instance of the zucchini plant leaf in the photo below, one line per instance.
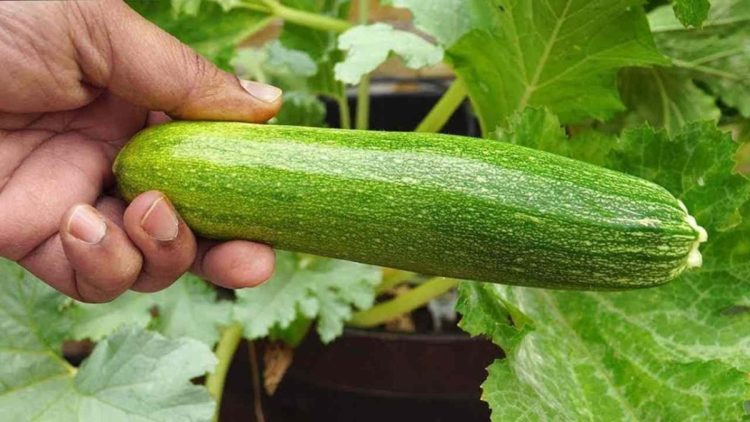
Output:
(674, 352)
(188, 308)
(539, 129)
(665, 97)
(368, 46)
(31, 334)
(95, 321)
(478, 303)
(691, 12)
(275, 64)
(717, 55)
(696, 165)
(307, 287)
(561, 54)
(132, 375)
(210, 29)
(301, 109)
(191, 308)
(319, 45)
(448, 20)
(291, 71)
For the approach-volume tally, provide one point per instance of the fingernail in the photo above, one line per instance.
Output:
(263, 92)
(160, 221)
(87, 225)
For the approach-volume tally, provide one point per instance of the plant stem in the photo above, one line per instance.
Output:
(392, 278)
(363, 91)
(444, 108)
(344, 113)
(364, 12)
(311, 20)
(230, 339)
(255, 374)
(400, 305)
(363, 103)
(255, 7)
(300, 17)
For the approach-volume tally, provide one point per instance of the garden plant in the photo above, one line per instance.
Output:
(656, 90)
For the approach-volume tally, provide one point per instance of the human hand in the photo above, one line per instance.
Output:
(78, 79)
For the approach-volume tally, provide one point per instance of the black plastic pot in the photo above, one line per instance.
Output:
(371, 376)
(401, 105)
(374, 376)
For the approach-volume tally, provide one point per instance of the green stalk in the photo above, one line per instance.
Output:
(255, 374)
(230, 339)
(300, 17)
(363, 91)
(363, 103)
(255, 7)
(444, 109)
(400, 305)
(392, 278)
(344, 113)
(364, 12)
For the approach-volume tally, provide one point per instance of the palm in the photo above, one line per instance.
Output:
(50, 161)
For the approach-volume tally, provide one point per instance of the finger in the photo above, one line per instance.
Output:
(165, 241)
(235, 264)
(49, 262)
(141, 63)
(104, 260)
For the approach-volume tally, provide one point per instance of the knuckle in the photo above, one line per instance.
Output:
(106, 287)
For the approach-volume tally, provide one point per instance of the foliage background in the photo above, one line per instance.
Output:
(665, 96)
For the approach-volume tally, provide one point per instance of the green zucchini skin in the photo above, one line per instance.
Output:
(430, 203)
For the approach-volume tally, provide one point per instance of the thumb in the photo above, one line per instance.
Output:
(150, 68)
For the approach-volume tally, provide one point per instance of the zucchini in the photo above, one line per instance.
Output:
(430, 203)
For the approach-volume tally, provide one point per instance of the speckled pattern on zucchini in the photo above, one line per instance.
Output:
(435, 204)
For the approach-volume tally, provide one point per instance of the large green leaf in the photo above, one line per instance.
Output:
(188, 308)
(31, 335)
(191, 308)
(676, 352)
(666, 98)
(696, 165)
(672, 353)
(560, 54)
(718, 55)
(539, 129)
(95, 321)
(307, 287)
(132, 375)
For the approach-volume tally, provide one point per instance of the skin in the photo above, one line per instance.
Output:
(78, 80)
